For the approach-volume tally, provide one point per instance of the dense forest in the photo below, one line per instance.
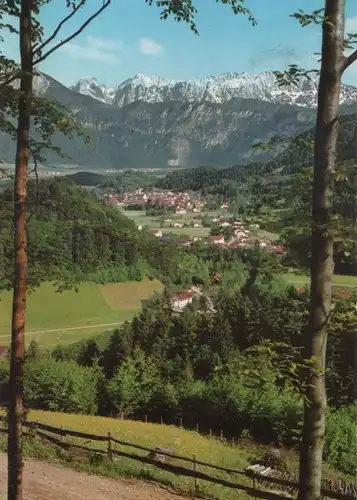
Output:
(72, 235)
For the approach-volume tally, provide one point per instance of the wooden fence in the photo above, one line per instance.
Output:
(47, 432)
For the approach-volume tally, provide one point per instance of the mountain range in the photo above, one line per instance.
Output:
(213, 89)
(152, 122)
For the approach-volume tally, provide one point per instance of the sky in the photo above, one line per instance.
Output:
(130, 38)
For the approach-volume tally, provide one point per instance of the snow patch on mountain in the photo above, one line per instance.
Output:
(94, 89)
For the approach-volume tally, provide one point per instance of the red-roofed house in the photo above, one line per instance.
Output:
(219, 238)
(277, 249)
(180, 301)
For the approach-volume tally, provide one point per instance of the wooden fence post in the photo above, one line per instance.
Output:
(197, 428)
(210, 433)
(62, 433)
(146, 419)
(110, 454)
(180, 422)
(195, 470)
(254, 485)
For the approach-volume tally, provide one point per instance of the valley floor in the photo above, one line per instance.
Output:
(44, 481)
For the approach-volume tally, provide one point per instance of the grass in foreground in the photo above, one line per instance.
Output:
(69, 316)
(184, 443)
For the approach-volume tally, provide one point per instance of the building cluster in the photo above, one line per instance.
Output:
(242, 237)
(179, 203)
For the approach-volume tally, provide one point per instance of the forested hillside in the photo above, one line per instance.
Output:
(296, 156)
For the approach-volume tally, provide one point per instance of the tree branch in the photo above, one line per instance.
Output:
(10, 79)
(349, 60)
(73, 35)
(39, 49)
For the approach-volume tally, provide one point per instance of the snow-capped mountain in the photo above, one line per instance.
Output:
(214, 89)
(92, 88)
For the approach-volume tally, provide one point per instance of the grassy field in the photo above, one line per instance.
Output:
(184, 443)
(69, 316)
(189, 231)
(139, 217)
(267, 234)
(337, 280)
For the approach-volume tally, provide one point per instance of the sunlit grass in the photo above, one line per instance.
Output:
(98, 306)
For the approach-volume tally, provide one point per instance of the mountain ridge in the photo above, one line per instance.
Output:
(215, 89)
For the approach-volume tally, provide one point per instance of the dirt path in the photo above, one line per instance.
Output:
(69, 329)
(44, 481)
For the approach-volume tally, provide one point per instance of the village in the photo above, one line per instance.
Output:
(226, 231)
(178, 203)
(188, 211)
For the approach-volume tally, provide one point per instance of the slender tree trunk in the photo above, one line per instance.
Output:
(322, 264)
(15, 413)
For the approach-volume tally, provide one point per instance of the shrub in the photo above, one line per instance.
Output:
(340, 444)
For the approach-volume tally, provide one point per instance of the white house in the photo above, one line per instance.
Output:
(218, 239)
(239, 234)
(180, 301)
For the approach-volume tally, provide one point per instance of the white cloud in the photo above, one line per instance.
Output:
(150, 47)
(351, 25)
(95, 49)
(101, 43)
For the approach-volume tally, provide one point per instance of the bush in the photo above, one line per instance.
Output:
(60, 386)
(133, 384)
(340, 444)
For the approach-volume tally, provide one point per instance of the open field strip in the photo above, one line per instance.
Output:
(337, 280)
(69, 316)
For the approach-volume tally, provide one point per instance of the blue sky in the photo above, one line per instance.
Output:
(130, 38)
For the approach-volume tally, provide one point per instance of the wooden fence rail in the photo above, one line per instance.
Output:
(42, 431)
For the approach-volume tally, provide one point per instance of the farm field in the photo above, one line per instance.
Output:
(183, 442)
(67, 317)
(139, 217)
(337, 280)
(189, 231)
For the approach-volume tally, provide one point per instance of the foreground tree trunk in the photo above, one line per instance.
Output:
(15, 413)
(322, 265)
